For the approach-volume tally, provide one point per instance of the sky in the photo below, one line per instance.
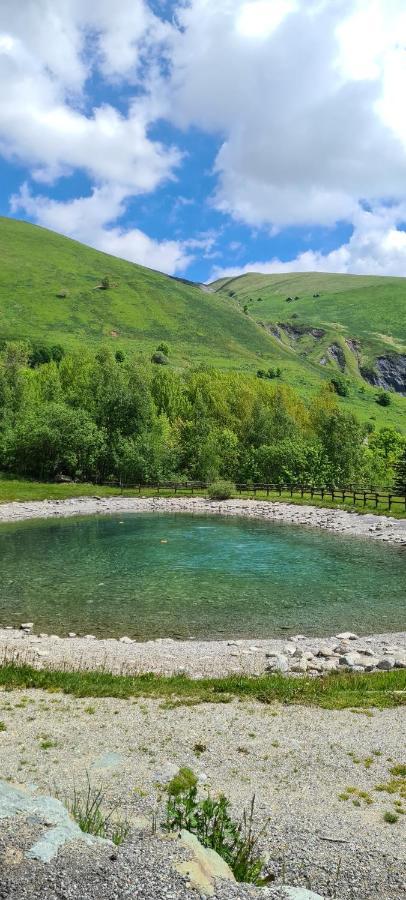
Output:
(208, 138)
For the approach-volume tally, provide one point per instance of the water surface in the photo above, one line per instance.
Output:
(155, 575)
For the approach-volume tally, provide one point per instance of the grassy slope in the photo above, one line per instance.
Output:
(145, 307)
(368, 308)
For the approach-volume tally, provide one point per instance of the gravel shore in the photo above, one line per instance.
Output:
(298, 761)
(382, 528)
(206, 658)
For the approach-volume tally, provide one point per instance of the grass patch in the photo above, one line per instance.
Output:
(333, 691)
(390, 817)
(89, 811)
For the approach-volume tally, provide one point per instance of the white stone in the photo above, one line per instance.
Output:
(72, 634)
(126, 640)
(26, 626)
(400, 662)
(290, 649)
(278, 663)
(326, 652)
(347, 636)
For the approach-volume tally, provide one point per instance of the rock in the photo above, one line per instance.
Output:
(386, 664)
(165, 774)
(299, 893)
(347, 636)
(370, 662)
(325, 652)
(290, 649)
(126, 640)
(72, 634)
(298, 653)
(43, 634)
(278, 663)
(400, 662)
(42, 653)
(205, 866)
(90, 637)
(299, 665)
(351, 659)
(329, 665)
(26, 626)
(57, 827)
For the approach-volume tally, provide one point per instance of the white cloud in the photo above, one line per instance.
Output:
(307, 97)
(88, 219)
(46, 56)
(376, 247)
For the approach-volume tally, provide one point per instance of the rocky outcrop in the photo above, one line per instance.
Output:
(389, 373)
(295, 332)
(338, 355)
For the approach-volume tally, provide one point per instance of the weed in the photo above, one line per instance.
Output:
(88, 810)
(3, 726)
(210, 820)
(90, 710)
(390, 817)
(47, 744)
(199, 748)
(399, 769)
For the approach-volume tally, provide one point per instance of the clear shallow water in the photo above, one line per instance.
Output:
(214, 578)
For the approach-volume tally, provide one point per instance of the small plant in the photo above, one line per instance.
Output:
(390, 817)
(47, 744)
(199, 748)
(340, 385)
(222, 490)
(210, 820)
(89, 812)
(383, 398)
(399, 769)
(3, 726)
(105, 283)
(163, 347)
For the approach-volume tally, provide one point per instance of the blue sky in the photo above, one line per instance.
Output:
(208, 138)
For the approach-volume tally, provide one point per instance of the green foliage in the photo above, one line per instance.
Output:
(340, 385)
(105, 283)
(105, 415)
(211, 821)
(390, 817)
(88, 808)
(222, 490)
(384, 398)
(163, 347)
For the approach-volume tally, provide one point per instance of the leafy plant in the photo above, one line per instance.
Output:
(210, 820)
(163, 347)
(222, 490)
(383, 398)
(160, 358)
(390, 818)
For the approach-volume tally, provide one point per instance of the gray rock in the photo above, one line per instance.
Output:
(386, 664)
(347, 636)
(278, 663)
(400, 662)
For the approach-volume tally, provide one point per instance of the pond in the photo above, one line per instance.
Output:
(188, 576)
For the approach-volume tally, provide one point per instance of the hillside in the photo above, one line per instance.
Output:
(50, 292)
(349, 321)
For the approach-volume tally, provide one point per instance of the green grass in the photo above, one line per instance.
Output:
(17, 490)
(341, 691)
(144, 307)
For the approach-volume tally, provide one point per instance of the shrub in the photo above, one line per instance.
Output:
(222, 490)
(383, 398)
(339, 385)
(163, 347)
(105, 283)
(210, 820)
(160, 358)
(390, 818)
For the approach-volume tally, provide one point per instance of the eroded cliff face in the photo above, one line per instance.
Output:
(389, 373)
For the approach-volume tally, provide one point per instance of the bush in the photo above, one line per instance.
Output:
(339, 385)
(163, 347)
(160, 358)
(105, 283)
(210, 820)
(222, 490)
(383, 398)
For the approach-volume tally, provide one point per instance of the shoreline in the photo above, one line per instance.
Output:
(296, 656)
(377, 527)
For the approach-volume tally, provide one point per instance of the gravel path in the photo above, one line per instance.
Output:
(298, 761)
(383, 528)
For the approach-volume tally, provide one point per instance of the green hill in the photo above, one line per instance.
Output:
(50, 292)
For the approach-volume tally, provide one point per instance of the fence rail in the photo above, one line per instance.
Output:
(356, 494)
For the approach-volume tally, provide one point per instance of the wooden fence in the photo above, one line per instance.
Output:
(354, 493)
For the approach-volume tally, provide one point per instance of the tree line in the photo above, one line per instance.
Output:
(100, 415)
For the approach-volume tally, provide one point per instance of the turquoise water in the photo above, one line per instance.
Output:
(213, 578)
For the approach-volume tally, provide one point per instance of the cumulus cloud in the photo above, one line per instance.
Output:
(307, 96)
(377, 247)
(89, 219)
